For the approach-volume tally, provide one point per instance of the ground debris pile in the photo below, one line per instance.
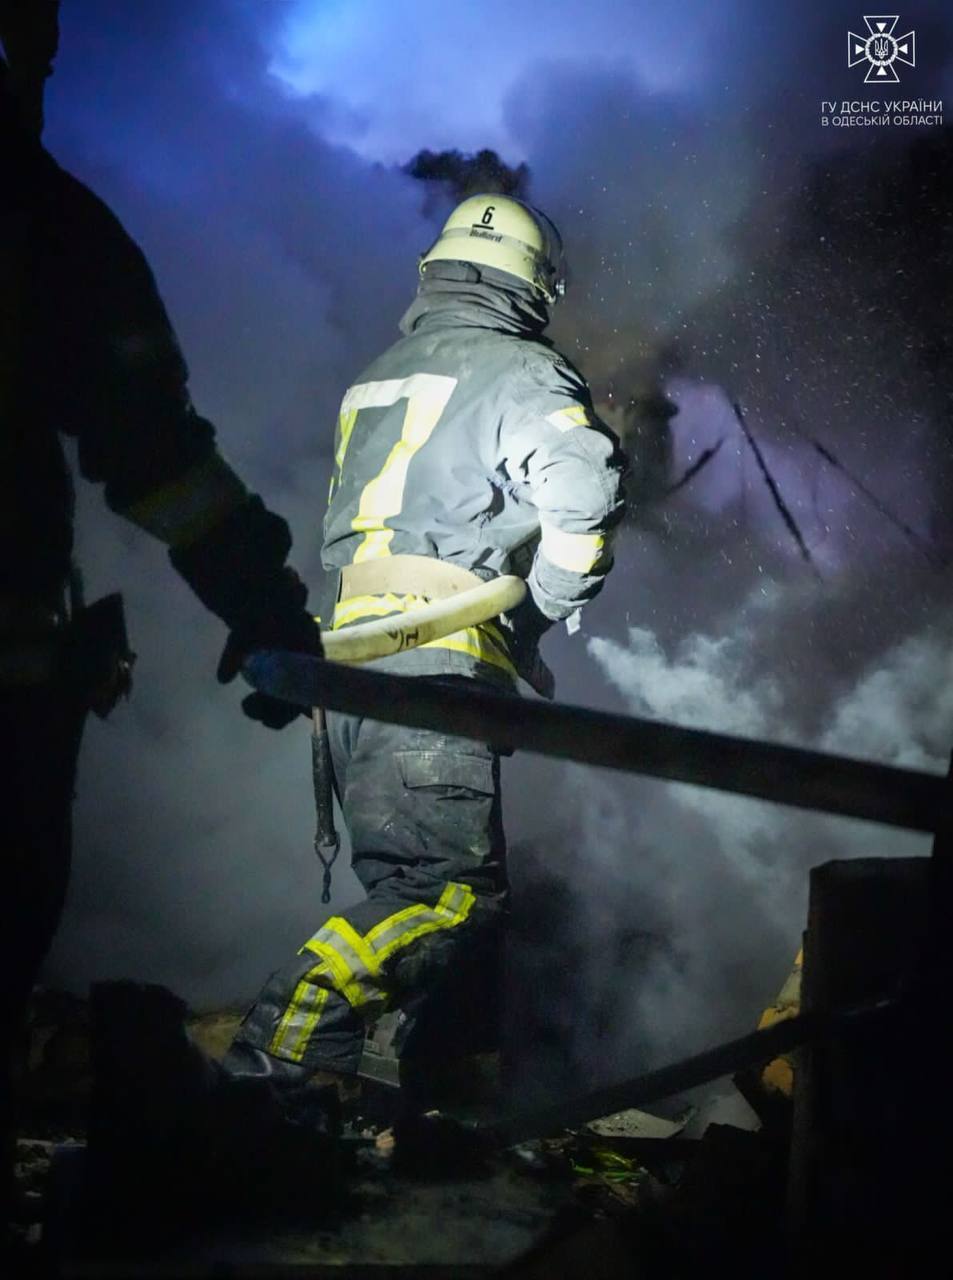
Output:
(158, 1172)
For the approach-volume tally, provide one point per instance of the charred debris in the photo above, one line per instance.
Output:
(813, 1147)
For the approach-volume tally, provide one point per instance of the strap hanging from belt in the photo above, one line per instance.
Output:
(327, 842)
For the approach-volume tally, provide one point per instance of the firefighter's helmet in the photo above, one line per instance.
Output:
(500, 232)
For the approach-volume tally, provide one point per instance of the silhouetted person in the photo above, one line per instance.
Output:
(87, 350)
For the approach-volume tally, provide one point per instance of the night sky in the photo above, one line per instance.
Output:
(723, 245)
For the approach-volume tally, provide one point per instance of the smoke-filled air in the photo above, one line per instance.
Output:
(761, 306)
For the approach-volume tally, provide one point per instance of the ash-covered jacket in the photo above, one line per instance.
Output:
(472, 440)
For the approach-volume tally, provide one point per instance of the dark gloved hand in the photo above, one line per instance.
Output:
(273, 713)
(289, 626)
(529, 624)
(237, 569)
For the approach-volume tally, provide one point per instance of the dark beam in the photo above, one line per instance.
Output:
(764, 770)
(752, 1050)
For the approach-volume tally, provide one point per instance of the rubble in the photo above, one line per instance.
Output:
(432, 1192)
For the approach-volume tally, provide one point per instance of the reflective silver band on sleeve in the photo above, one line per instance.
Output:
(181, 512)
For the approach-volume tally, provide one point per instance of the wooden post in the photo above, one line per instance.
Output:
(866, 1169)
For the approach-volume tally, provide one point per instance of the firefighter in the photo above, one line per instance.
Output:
(87, 350)
(468, 449)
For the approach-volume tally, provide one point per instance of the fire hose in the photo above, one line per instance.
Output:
(381, 638)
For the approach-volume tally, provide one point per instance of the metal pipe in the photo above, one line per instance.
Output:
(764, 770)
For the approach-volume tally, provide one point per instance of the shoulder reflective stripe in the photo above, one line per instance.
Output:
(427, 395)
(179, 513)
(577, 415)
(398, 931)
(575, 552)
(302, 1015)
(354, 966)
(346, 420)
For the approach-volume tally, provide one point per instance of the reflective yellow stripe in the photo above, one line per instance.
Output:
(452, 908)
(392, 922)
(577, 415)
(354, 967)
(427, 395)
(346, 423)
(485, 642)
(301, 1016)
(576, 552)
(346, 420)
(351, 965)
(446, 915)
(406, 926)
(473, 642)
(345, 982)
(356, 607)
(180, 513)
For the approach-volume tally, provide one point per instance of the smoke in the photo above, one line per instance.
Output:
(901, 711)
(722, 247)
(701, 688)
(467, 175)
(700, 896)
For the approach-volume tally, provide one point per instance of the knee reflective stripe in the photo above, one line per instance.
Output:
(302, 1016)
(348, 966)
(355, 969)
(406, 926)
(351, 965)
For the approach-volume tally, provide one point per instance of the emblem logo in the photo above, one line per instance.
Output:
(881, 48)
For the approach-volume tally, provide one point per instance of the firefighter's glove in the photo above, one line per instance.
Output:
(273, 713)
(292, 628)
(528, 624)
(237, 569)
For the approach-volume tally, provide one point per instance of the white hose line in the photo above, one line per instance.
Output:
(401, 631)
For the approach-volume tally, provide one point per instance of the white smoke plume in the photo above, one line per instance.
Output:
(718, 883)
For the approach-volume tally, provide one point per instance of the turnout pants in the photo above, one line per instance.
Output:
(424, 816)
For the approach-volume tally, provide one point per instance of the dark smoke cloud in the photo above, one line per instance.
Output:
(722, 246)
(461, 175)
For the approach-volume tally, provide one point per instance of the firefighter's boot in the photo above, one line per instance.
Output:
(300, 1087)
